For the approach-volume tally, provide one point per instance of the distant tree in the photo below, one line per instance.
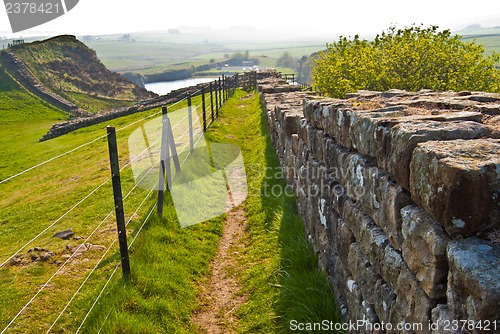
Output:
(411, 58)
(287, 60)
(306, 65)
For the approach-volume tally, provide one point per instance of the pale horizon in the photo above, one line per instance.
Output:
(319, 19)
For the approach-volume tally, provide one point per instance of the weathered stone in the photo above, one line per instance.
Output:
(369, 129)
(493, 125)
(442, 322)
(458, 183)
(45, 256)
(83, 248)
(290, 123)
(378, 196)
(385, 300)
(319, 142)
(370, 237)
(395, 151)
(349, 165)
(473, 284)
(354, 299)
(424, 250)
(65, 235)
(363, 273)
(413, 303)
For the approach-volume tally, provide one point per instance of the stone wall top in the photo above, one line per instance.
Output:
(441, 147)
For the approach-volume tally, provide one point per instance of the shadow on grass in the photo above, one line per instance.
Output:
(305, 296)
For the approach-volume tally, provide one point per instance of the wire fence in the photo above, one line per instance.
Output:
(186, 132)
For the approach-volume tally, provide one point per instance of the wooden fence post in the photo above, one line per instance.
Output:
(203, 106)
(216, 99)
(220, 97)
(164, 162)
(212, 101)
(223, 98)
(226, 86)
(118, 199)
(190, 120)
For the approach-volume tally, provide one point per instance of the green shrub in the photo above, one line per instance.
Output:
(411, 58)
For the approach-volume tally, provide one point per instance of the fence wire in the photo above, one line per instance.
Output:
(221, 96)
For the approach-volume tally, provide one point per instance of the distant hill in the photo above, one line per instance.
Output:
(71, 75)
(489, 37)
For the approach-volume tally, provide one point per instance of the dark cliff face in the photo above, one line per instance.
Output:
(70, 69)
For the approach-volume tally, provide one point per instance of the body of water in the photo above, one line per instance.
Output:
(166, 87)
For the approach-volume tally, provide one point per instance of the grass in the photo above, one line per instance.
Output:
(168, 262)
(37, 199)
(154, 53)
(68, 68)
(280, 274)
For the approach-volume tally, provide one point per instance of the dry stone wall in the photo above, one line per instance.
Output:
(22, 74)
(400, 195)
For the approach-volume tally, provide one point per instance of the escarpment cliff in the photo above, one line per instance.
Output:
(66, 73)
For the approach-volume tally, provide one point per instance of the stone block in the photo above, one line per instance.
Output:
(340, 129)
(458, 183)
(343, 239)
(493, 124)
(424, 250)
(394, 153)
(290, 124)
(441, 320)
(362, 181)
(369, 129)
(363, 273)
(368, 235)
(412, 303)
(320, 145)
(385, 300)
(473, 280)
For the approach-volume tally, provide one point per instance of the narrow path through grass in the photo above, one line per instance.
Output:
(222, 294)
(272, 266)
(278, 268)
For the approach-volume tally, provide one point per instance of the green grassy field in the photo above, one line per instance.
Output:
(489, 37)
(168, 263)
(154, 52)
(40, 199)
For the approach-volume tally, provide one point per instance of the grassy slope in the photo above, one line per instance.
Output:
(70, 69)
(279, 268)
(23, 120)
(167, 262)
(279, 272)
(33, 201)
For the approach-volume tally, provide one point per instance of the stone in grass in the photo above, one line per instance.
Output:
(458, 183)
(65, 235)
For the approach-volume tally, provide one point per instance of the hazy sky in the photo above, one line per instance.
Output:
(311, 17)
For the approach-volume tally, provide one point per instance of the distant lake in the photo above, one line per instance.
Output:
(166, 87)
